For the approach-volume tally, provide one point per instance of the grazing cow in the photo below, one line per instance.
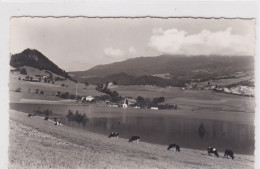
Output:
(46, 118)
(58, 123)
(212, 150)
(177, 147)
(30, 115)
(113, 134)
(229, 153)
(134, 139)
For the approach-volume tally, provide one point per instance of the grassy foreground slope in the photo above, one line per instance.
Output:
(35, 143)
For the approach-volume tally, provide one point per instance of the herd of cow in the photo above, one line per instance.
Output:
(177, 148)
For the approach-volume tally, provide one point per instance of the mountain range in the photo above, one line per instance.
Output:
(164, 70)
(179, 69)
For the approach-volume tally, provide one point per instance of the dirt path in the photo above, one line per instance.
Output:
(36, 143)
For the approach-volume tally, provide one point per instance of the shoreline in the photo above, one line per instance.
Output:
(124, 154)
(103, 135)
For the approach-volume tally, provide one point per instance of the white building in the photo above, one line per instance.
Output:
(154, 108)
(125, 105)
(88, 98)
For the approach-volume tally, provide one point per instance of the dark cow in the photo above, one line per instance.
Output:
(229, 153)
(134, 138)
(177, 147)
(113, 134)
(212, 151)
(46, 118)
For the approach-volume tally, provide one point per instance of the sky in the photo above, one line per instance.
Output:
(80, 43)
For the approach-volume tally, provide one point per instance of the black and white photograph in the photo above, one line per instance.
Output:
(131, 92)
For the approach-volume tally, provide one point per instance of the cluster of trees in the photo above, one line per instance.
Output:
(30, 78)
(103, 97)
(59, 79)
(167, 107)
(156, 102)
(77, 117)
(46, 112)
(146, 102)
(23, 71)
(63, 85)
(37, 91)
(115, 97)
(66, 95)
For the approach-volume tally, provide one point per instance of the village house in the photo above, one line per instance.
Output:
(115, 105)
(130, 101)
(87, 99)
(110, 84)
(154, 108)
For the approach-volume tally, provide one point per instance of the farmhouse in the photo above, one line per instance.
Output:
(130, 101)
(88, 98)
(110, 84)
(154, 108)
(115, 105)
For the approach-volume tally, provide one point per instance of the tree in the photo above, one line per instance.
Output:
(201, 130)
(158, 100)
(140, 99)
(105, 97)
(27, 77)
(65, 95)
(77, 116)
(47, 112)
(86, 84)
(70, 115)
(23, 71)
(84, 118)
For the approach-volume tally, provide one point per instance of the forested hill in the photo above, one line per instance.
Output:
(34, 58)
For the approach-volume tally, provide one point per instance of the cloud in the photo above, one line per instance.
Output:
(174, 41)
(118, 53)
(112, 52)
(131, 50)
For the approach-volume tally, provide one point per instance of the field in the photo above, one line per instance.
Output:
(36, 143)
(49, 89)
(191, 100)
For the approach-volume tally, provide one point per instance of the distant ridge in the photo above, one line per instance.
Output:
(140, 69)
(34, 58)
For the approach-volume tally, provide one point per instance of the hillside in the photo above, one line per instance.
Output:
(36, 59)
(177, 68)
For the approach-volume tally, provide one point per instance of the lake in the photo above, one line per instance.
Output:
(164, 126)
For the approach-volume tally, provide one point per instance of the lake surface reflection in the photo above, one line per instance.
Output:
(157, 127)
